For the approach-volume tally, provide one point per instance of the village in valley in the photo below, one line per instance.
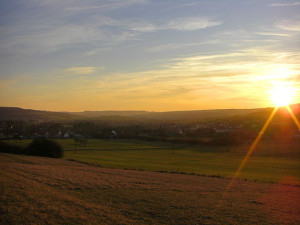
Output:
(217, 131)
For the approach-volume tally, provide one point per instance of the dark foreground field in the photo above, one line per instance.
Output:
(37, 190)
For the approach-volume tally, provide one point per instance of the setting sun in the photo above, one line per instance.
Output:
(282, 95)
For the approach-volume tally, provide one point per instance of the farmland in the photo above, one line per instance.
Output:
(271, 162)
(38, 190)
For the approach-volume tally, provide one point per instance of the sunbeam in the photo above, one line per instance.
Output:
(249, 153)
(295, 119)
(253, 146)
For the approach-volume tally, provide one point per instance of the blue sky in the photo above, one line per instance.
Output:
(162, 55)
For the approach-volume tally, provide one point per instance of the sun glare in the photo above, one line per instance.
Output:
(282, 95)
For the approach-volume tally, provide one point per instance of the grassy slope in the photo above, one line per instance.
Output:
(269, 163)
(55, 191)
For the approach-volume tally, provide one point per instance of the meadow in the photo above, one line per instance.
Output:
(270, 162)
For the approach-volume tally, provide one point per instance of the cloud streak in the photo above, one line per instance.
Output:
(181, 24)
(105, 7)
(284, 4)
(81, 70)
(75, 6)
(289, 25)
(192, 23)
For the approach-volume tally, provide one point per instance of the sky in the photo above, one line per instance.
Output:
(155, 55)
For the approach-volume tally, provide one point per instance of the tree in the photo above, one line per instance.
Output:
(46, 148)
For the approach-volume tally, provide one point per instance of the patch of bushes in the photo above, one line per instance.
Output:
(9, 148)
(38, 147)
(45, 147)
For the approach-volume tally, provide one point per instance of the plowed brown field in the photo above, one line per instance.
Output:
(36, 190)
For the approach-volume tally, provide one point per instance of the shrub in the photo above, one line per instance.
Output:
(9, 148)
(45, 147)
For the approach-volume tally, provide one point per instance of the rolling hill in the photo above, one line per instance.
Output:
(14, 113)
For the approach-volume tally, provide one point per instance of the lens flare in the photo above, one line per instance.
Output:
(252, 148)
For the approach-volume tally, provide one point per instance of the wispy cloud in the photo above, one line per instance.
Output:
(54, 38)
(289, 25)
(61, 27)
(181, 24)
(81, 70)
(172, 46)
(112, 5)
(273, 34)
(192, 23)
(102, 32)
(88, 5)
(285, 4)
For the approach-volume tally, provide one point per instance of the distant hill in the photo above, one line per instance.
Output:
(14, 113)
(183, 116)
(93, 114)
(196, 114)
(166, 116)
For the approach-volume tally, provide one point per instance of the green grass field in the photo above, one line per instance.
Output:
(269, 163)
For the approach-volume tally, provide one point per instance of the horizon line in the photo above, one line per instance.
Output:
(141, 110)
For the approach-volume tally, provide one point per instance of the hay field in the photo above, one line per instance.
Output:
(36, 190)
